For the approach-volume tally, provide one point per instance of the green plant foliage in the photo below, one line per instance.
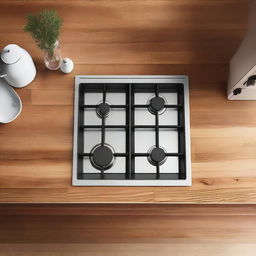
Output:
(44, 28)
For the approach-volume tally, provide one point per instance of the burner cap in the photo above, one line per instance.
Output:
(102, 157)
(103, 109)
(157, 156)
(157, 105)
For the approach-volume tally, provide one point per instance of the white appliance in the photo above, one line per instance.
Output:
(16, 66)
(242, 76)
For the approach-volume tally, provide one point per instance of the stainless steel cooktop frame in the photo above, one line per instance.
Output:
(132, 79)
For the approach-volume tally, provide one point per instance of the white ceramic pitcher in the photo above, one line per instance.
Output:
(16, 66)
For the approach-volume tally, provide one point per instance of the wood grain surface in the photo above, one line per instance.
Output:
(195, 38)
(196, 230)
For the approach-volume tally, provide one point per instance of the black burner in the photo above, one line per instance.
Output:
(103, 109)
(157, 105)
(102, 157)
(156, 156)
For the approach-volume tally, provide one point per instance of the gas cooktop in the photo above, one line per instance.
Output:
(131, 131)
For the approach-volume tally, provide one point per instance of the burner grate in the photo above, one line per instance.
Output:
(132, 172)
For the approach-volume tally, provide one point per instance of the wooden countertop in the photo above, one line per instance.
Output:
(195, 38)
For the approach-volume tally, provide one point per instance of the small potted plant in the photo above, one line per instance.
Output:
(45, 28)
